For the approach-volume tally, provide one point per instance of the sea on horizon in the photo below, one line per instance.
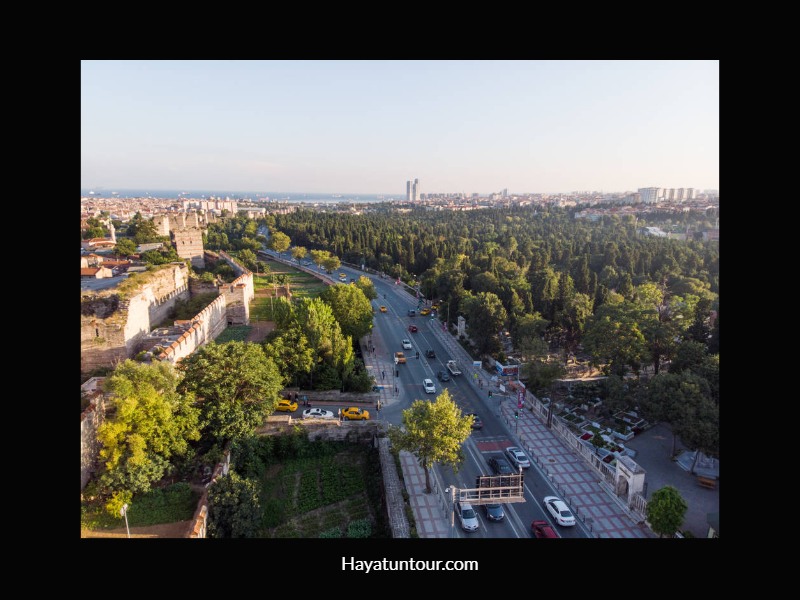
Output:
(207, 194)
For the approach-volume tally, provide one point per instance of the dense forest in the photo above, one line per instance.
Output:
(557, 285)
(540, 263)
(560, 286)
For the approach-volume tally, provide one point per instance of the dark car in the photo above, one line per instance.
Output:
(443, 376)
(542, 529)
(494, 512)
(476, 421)
(501, 466)
(412, 313)
(412, 328)
(430, 353)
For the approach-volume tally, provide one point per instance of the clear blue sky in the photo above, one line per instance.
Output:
(365, 127)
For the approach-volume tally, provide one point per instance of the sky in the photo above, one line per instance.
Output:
(366, 127)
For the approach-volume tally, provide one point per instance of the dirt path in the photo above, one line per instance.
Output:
(164, 530)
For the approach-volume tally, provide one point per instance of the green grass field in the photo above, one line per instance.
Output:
(235, 333)
(301, 285)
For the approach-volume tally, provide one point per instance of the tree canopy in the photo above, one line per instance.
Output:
(234, 507)
(236, 384)
(434, 432)
(350, 307)
(148, 425)
(665, 511)
(279, 241)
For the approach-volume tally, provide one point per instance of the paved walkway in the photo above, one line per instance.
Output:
(576, 482)
(573, 478)
(654, 447)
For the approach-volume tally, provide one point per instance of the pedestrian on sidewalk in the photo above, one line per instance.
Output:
(339, 414)
(383, 375)
(395, 389)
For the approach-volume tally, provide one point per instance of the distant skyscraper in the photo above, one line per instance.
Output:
(408, 191)
(415, 191)
(690, 193)
(671, 194)
(649, 195)
(681, 196)
(505, 192)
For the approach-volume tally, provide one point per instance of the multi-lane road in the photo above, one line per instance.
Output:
(390, 328)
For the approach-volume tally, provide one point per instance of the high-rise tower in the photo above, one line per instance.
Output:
(415, 192)
(408, 191)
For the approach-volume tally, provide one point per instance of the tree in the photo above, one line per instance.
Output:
(142, 230)
(150, 424)
(234, 509)
(541, 371)
(614, 339)
(279, 242)
(319, 256)
(527, 333)
(161, 256)
(125, 247)
(365, 285)
(689, 356)
(291, 353)
(486, 316)
(434, 432)
(95, 229)
(665, 511)
(237, 385)
(299, 253)
(331, 262)
(248, 258)
(699, 428)
(351, 308)
(684, 401)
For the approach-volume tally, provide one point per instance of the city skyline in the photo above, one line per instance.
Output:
(361, 127)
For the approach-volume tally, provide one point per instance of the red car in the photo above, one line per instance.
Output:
(412, 328)
(542, 529)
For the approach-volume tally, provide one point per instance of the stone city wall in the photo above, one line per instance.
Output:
(111, 327)
(91, 418)
(206, 325)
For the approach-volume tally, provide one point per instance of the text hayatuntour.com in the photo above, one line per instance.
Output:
(352, 564)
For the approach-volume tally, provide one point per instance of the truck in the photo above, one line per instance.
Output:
(452, 366)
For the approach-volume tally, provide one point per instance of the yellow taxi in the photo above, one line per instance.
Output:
(434, 306)
(425, 311)
(383, 309)
(285, 405)
(354, 413)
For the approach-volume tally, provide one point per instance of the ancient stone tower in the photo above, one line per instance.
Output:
(188, 243)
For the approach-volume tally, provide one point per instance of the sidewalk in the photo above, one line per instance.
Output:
(575, 481)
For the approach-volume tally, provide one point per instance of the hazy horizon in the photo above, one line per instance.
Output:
(457, 126)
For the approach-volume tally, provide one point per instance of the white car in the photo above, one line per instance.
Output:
(517, 457)
(317, 413)
(429, 387)
(407, 345)
(467, 517)
(558, 508)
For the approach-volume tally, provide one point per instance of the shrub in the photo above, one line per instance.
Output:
(361, 528)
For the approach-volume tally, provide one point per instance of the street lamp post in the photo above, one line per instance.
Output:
(452, 490)
(124, 512)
